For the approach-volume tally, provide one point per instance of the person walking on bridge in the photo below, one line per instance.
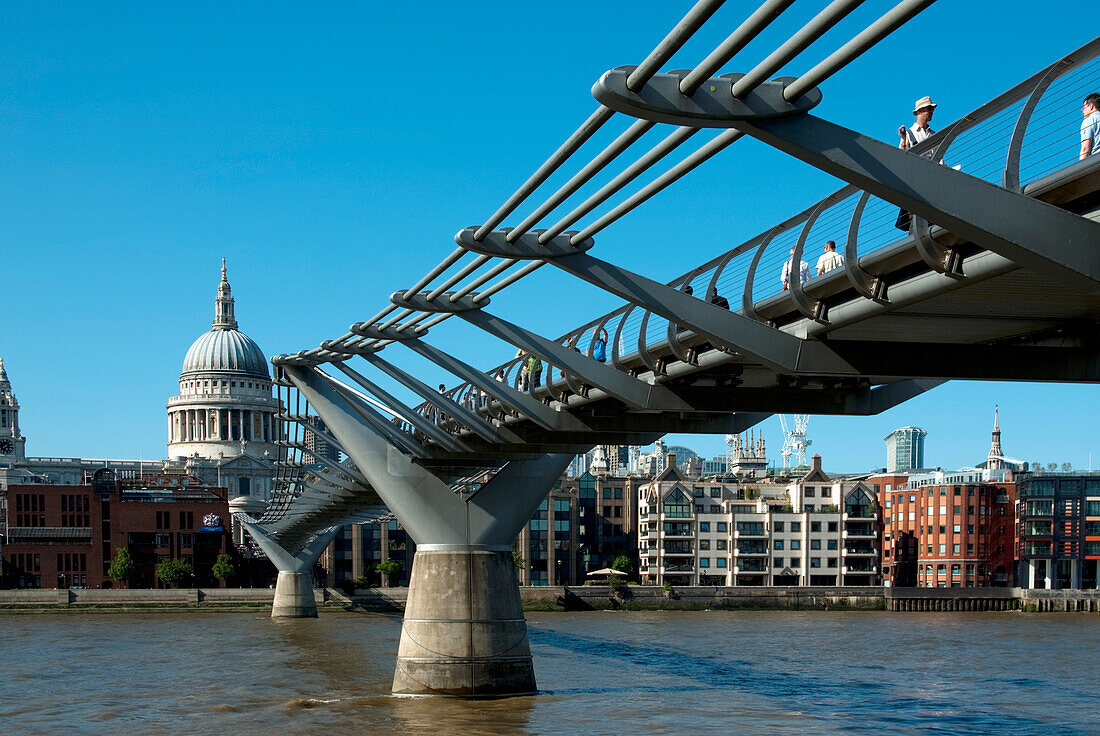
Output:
(1090, 126)
(911, 136)
(803, 272)
(830, 259)
(920, 130)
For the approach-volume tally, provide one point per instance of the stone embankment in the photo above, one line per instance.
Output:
(580, 598)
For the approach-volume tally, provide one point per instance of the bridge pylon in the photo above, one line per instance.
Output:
(464, 634)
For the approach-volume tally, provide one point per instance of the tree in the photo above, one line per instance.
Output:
(517, 560)
(622, 563)
(387, 570)
(1066, 467)
(121, 567)
(223, 568)
(1052, 467)
(172, 572)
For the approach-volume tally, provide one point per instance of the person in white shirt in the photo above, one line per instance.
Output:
(920, 130)
(830, 259)
(803, 272)
(1090, 126)
(923, 109)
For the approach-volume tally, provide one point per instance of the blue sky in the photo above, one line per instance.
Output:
(331, 155)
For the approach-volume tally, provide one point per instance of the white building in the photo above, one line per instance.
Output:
(813, 531)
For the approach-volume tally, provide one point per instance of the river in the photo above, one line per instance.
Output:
(600, 673)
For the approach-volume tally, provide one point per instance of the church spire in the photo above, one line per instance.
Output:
(995, 461)
(223, 305)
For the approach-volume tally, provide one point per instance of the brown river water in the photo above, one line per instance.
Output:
(650, 673)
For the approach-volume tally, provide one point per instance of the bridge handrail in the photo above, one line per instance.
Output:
(1029, 91)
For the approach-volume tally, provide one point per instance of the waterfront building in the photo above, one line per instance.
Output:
(905, 449)
(1058, 530)
(950, 529)
(583, 525)
(57, 536)
(814, 530)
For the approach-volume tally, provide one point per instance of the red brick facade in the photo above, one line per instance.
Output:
(963, 532)
(63, 536)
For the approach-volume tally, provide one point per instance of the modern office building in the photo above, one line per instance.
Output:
(1058, 530)
(582, 526)
(905, 449)
(947, 529)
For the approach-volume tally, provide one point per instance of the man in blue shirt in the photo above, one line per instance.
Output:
(1090, 126)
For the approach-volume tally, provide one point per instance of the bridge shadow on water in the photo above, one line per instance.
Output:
(860, 698)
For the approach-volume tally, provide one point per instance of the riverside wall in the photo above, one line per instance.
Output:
(581, 598)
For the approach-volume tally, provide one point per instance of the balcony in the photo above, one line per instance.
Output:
(678, 530)
(751, 548)
(678, 548)
(751, 566)
(860, 551)
(859, 568)
(678, 568)
(860, 531)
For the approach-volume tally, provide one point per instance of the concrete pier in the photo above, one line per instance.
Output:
(464, 634)
(294, 596)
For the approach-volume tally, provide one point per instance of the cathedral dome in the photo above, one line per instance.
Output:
(225, 351)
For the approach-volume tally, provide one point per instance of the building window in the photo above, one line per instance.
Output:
(815, 544)
(815, 562)
(704, 526)
(723, 526)
(778, 526)
(815, 526)
(722, 544)
(704, 562)
(720, 562)
(704, 544)
(777, 544)
(796, 544)
(778, 563)
(808, 492)
(715, 492)
(796, 526)
(831, 544)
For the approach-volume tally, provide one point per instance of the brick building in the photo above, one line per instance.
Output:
(947, 529)
(58, 536)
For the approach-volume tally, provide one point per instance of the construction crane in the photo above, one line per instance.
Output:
(795, 441)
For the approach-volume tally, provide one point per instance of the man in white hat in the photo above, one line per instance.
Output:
(923, 109)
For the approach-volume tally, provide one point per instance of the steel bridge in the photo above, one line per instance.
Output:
(997, 278)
